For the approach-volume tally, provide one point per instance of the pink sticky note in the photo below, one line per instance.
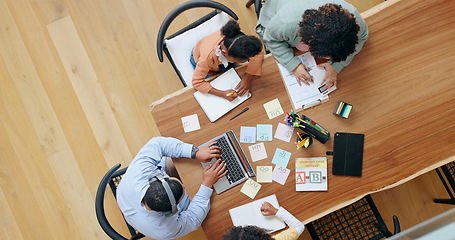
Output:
(280, 174)
(284, 132)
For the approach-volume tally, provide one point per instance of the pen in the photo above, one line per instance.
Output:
(265, 210)
(308, 71)
(244, 110)
(229, 94)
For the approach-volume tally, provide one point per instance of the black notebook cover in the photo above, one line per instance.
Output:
(348, 154)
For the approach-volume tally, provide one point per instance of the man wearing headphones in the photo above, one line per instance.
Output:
(157, 205)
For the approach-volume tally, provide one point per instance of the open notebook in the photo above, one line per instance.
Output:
(215, 107)
(250, 214)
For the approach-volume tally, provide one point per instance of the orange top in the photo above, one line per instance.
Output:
(207, 61)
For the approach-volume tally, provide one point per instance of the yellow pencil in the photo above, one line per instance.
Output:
(229, 94)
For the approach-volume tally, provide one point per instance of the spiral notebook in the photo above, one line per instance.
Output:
(215, 107)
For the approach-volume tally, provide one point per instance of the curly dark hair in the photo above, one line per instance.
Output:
(156, 197)
(247, 233)
(240, 45)
(331, 31)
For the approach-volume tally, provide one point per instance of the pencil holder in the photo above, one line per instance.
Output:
(303, 140)
(308, 126)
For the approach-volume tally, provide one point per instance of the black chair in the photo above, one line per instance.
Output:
(112, 178)
(449, 172)
(360, 220)
(257, 5)
(182, 65)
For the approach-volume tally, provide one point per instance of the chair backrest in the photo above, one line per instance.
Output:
(360, 220)
(112, 177)
(179, 45)
(449, 171)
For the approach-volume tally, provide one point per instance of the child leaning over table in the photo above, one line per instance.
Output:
(218, 52)
(295, 229)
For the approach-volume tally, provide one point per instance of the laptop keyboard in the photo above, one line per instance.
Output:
(235, 172)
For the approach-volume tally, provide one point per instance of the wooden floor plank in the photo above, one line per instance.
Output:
(90, 94)
(45, 125)
(26, 155)
(9, 228)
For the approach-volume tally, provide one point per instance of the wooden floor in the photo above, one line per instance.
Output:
(77, 78)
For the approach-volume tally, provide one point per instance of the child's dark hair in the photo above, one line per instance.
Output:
(331, 31)
(238, 44)
(247, 233)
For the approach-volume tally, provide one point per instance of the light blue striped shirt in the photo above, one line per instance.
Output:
(134, 184)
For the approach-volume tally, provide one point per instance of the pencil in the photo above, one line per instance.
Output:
(244, 110)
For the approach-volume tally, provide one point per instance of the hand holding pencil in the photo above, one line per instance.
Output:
(230, 94)
(268, 209)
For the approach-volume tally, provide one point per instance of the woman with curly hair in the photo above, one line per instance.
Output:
(295, 229)
(221, 50)
(333, 30)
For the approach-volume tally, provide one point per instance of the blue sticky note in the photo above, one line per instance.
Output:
(264, 132)
(281, 157)
(248, 134)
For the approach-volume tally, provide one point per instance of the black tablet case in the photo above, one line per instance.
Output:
(348, 154)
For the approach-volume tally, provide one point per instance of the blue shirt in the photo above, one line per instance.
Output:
(135, 182)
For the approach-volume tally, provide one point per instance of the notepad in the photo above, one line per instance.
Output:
(215, 107)
(280, 174)
(250, 188)
(281, 157)
(257, 152)
(264, 174)
(250, 215)
(190, 123)
(264, 132)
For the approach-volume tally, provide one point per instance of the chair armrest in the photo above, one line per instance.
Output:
(99, 206)
(396, 225)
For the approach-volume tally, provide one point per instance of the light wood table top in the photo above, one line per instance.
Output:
(402, 87)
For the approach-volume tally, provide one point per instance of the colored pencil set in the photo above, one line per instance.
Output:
(307, 125)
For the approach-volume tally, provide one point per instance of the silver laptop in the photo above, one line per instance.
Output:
(238, 166)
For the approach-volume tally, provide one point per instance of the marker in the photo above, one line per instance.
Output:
(229, 94)
(244, 110)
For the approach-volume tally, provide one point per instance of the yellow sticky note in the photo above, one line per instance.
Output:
(264, 173)
(273, 108)
(250, 188)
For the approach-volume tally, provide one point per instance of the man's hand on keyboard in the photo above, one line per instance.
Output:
(213, 172)
(206, 153)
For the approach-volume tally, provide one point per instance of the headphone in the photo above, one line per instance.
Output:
(168, 190)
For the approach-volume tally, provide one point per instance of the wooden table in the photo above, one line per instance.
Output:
(402, 87)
